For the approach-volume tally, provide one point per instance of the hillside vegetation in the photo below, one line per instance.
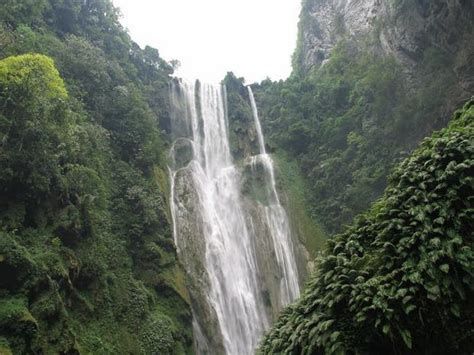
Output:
(400, 279)
(349, 119)
(87, 259)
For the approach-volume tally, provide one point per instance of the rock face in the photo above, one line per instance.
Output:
(325, 22)
(402, 28)
(192, 254)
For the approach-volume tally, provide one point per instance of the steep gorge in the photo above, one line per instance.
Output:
(101, 251)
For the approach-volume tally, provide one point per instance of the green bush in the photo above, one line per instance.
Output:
(401, 278)
(157, 337)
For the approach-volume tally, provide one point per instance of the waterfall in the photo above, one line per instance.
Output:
(276, 218)
(214, 233)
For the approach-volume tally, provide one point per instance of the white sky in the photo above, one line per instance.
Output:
(252, 38)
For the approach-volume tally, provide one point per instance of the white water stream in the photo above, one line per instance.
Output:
(230, 259)
(277, 219)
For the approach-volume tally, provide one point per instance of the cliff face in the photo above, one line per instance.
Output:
(401, 28)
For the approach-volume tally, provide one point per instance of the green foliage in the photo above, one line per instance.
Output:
(34, 129)
(14, 12)
(296, 190)
(242, 136)
(86, 251)
(12, 310)
(15, 318)
(400, 279)
(305, 22)
(157, 337)
(30, 75)
(349, 122)
(5, 347)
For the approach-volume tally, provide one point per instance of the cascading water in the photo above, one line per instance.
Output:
(214, 232)
(277, 219)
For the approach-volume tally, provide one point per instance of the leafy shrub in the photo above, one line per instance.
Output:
(157, 337)
(401, 278)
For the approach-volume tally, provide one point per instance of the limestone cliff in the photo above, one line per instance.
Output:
(405, 29)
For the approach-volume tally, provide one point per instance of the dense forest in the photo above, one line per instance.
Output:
(88, 264)
(87, 261)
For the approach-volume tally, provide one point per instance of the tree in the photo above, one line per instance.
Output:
(33, 126)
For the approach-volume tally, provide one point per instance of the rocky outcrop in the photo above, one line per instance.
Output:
(192, 251)
(402, 28)
(325, 22)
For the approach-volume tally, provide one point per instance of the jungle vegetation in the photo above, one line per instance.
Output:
(400, 279)
(87, 260)
(86, 254)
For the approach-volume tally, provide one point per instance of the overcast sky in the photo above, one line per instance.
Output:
(252, 38)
